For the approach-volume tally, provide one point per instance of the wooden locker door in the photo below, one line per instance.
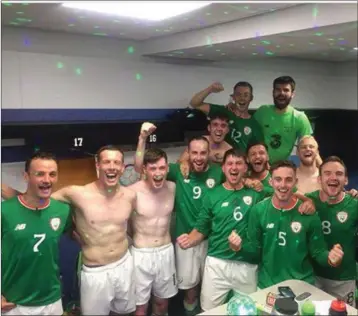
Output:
(76, 172)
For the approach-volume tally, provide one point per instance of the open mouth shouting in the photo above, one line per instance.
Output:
(258, 165)
(199, 165)
(111, 177)
(158, 181)
(234, 176)
(333, 188)
(45, 189)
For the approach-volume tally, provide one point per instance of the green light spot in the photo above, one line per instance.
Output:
(179, 52)
(70, 25)
(209, 41)
(311, 43)
(109, 190)
(208, 13)
(7, 4)
(19, 12)
(23, 20)
(278, 46)
(139, 153)
(130, 50)
(138, 76)
(96, 27)
(157, 30)
(247, 7)
(253, 44)
(292, 45)
(59, 65)
(218, 50)
(318, 34)
(269, 53)
(116, 21)
(341, 39)
(226, 12)
(25, 3)
(331, 39)
(99, 34)
(78, 71)
(254, 54)
(266, 42)
(14, 23)
(315, 12)
(342, 48)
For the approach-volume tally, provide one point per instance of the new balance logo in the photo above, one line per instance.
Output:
(270, 225)
(225, 204)
(20, 226)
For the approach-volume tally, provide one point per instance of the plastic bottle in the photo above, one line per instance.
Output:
(338, 308)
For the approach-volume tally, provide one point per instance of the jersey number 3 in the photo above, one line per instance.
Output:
(41, 238)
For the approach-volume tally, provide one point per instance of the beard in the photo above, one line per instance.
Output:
(281, 105)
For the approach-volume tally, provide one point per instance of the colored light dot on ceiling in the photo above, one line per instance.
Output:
(266, 42)
(199, 55)
(208, 13)
(331, 39)
(257, 34)
(78, 71)
(242, 46)
(82, 17)
(218, 50)
(311, 43)
(25, 3)
(170, 55)
(292, 45)
(223, 54)
(70, 25)
(315, 12)
(342, 48)
(209, 40)
(100, 34)
(167, 30)
(269, 53)
(341, 39)
(96, 27)
(138, 76)
(116, 21)
(20, 12)
(318, 34)
(157, 30)
(130, 50)
(59, 65)
(254, 54)
(7, 4)
(226, 12)
(246, 7)
(23, 20)
(253, 44)
(278, 46)
(14, 23)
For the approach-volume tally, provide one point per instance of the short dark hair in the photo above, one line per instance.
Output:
(108, 147)
(235, 153)
(255, 143)
(285, 80)
(283, 164)
(220, 116)
(333, 159)
(244, 84)
(198, 138)
(39, 155)
(152, 155)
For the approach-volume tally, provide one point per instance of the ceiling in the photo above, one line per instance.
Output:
(218, 32)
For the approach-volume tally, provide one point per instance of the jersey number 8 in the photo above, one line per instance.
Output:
(326, 227)
(41, 238)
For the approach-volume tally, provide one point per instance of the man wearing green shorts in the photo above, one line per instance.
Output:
(203, 177)
(243, 127)
(225, 208)
(276, 230)
(31, 227)
(338, 212)
(282, 125)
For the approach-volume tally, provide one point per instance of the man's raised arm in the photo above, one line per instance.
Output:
(146, 129)
(8, 192)
(197, 101)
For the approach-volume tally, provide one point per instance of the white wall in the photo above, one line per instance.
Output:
(31, 78)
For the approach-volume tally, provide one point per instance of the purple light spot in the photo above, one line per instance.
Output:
(201, 22)
(26, 41)
(71, 21)
(257, 34)
(261, 49)
(342, 43)
(315, 26)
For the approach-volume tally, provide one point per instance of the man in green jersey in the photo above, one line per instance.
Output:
(31, 227)
(338, 212)
(225, 208)
(277, 230)
(203, 176)
(243, 127)
(282, 124)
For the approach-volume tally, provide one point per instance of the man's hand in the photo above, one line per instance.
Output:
(253, 184)
(184, 168)
(335, 255)
(353, 193)
(147, 129)
(235, 241)
(307, 207)
(5, 305)
(216, 87)
(184, 241)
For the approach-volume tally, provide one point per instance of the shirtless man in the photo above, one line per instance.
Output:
(153, 252)
(102, 209)
(218, 128)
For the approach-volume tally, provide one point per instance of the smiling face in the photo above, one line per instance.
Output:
(308, 151)
(218, 129)
(198, 155)
(234, 168)
(156, 173)
(110, 167)
(282, 95)
(242, 97)
(283, 181)
(258, 158)
(333, 178)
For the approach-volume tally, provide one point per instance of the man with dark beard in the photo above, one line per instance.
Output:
(282, 124)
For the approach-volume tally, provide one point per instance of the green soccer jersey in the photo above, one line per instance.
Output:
(30, 251)
(339, 226)
(285, 240)
(189, 194)
(242, 131)
(223, 211)
(281, 130)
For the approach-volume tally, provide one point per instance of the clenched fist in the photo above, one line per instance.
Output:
(235, 241)
(335, 256)
(184, 241)
(216, 87)
(147, 129)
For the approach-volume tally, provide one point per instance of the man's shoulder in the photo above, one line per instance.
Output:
(264, 107)
(60, 205)
(171, 185)
(299, 114)
(9, 204)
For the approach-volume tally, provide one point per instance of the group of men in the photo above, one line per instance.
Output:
(239, 205)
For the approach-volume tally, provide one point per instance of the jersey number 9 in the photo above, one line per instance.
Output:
(197, 193)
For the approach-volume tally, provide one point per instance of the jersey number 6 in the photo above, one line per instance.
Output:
(41, 238)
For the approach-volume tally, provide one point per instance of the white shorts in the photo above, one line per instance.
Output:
(51, 309)
(221, 276)
(340, 289)
(154, 270)
(108, 288)
(190, 264)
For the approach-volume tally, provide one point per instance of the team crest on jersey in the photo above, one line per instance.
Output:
(247, 200)
(342, 216)
(186, 180)
(210, 183)
(296, 227)
(55, 223)
(247, 130)
(231, 122)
